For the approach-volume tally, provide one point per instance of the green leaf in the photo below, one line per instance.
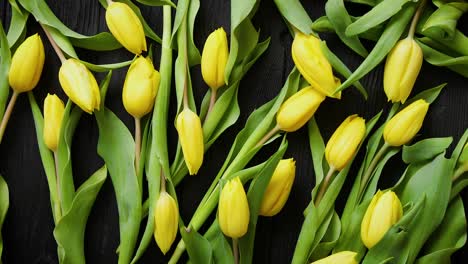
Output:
(107, 67)
(41, 11)
(434, 57)
(255, 197)
(156, 2)
(449, 237)
(329, 240)
(5, 61)
(340, 19)
(295, 14)
(184, 22)
(392, 33)
(317, 149)
(199, 248)
(443, 22)
(222, 250)
(425, 149)
(376, 16)
(70, 230)
(4, 204)
(117, 148)
(17, 30)
(428, 95)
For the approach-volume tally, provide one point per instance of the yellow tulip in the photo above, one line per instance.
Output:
(344, 143)
(126, 27)
(401, 69)
(383, 212)
(298, 109)
(404, 125)
(26, 65)
(277, 191)
(313, 65)
(233, 209)
(214, 58)
(80, 85)
(190, 132)
(343, 257)
(166, 220)
(53, 114)
(140, 87)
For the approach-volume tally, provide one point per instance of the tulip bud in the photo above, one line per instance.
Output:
(233, 209)
(313, 65)
(404, 125)
(298, 109)
(80, 85)
(214, 58)
(401, 69)
(343, 257)
(140, 87)
(190, 132)
(277, 191)
(166, 221)
(344, 143)
(126, 27)
(26, 65)
(53, 114)
(383, 212)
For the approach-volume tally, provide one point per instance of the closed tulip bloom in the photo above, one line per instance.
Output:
(404, 125)
(26, 65)
(313, 65)
(140, 87)
(383, 212)
(401, 69)
(53, 114)
(344, 143)
(343, 257)
(190, 132)
(298, 109)
(166, 221)
(80, 85)
(214, 58)
(233, 209)
(126, 27)
(277, 191)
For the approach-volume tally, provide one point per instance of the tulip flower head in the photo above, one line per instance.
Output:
(345, 141)
(405, 124)
(298, 109)
(26, 65)
(80, 85)
(190, 132)
(383, 212)
(140, 87)
(126, 27)
(53, 114)
(313, 64)
(214, 59)
(166, 220)
(277, 192)
(343, 257)
(401, 69)
(233, 209)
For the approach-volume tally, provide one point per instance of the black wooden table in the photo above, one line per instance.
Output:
(28, 228)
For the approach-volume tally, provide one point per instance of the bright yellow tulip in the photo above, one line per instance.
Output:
(140, 87)
(26, 65)
(298, 109)
(190, 132)
(404, 125)
(53, 114)
(233, 209)
(166, 221)
(343, 257)
(383, 212)
(214, 58)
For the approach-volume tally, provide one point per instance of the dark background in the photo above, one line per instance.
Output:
(28, 228)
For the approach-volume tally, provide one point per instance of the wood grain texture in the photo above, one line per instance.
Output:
(28, 228)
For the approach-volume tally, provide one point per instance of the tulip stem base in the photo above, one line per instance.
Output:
(365, 179)
(268, 136)
(235, 250)
(58, 205)
(56, 48)
(324, 186)
(212, 103)
(6, 116)
(137, 143)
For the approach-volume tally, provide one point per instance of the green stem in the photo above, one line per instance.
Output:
(415, 20)
(6, 116)
(57, 204)
(324, 186)
(370, 169)
(212, 103)
(56, 48)
(235, 250)
(137, 143)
